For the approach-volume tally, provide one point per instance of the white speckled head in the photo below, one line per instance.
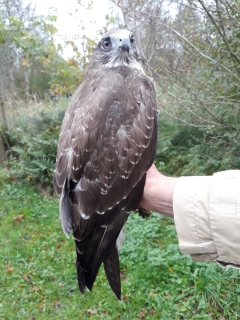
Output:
(118, 48)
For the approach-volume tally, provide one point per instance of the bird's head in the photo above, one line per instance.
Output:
(118, 48)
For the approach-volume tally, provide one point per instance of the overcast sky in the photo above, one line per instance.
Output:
(70, 14)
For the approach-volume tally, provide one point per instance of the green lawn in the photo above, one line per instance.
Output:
(38, 277)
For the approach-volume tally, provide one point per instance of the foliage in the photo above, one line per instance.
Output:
(189, 150)
(24, 40)
(32, 62)
(38, 277)
(66, 74)
(33, 147)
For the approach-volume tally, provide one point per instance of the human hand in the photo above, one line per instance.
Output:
(158, 192)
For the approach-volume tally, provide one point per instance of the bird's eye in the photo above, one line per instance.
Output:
(106, 44)
(132, 39)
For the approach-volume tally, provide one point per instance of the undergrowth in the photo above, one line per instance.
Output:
(186, 150)
(38, 276)
(32, 146)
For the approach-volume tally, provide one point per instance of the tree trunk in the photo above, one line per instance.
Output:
(27, 72)
(4, 116)
(10, 71)
(2, 150)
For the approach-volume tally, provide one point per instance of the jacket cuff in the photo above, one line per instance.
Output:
(224, 216)
(190, 207)
(207, 217)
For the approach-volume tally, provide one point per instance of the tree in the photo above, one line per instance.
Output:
(31, 61)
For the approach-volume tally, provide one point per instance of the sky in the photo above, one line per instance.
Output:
(71, 17)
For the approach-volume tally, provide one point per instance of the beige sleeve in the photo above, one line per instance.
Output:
(207, 217)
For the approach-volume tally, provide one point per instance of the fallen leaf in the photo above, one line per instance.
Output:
(35, 288)
(92, 311)
(57, 304)
(41, 306)
(26, 277)
(104, 312)
(9, 269)
(61, 284)
(125, 297)
(19, 217)
(142, 314)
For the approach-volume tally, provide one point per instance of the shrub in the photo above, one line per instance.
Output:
(33, 147)
(186, 150)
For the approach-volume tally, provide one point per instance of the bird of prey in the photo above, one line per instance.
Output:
(107, 143)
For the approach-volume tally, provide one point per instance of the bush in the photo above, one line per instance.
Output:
(189, 150)
(33, 147)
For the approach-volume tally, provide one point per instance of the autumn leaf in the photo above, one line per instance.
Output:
(25, 63)
(41, 306)
(28, 178)
(26, 277)
(152, 294)
(9, 269)
(142, 314)
(36, 288)
(92, 311)
(61, 284)
(57, 304)
(152, 311)
(19, 218)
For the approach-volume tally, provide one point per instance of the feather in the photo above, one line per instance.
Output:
(120, 238)
(112, 270)
(65, 211)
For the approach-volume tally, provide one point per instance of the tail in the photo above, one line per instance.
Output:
(86, 278)
(112, 270)
(100, 246)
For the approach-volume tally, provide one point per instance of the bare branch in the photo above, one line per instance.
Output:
(201, 53)
(222, 34)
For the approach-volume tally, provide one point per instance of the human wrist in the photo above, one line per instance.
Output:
(164, 195)
(158, 193)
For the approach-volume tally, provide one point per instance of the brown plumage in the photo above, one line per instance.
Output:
(107, 143)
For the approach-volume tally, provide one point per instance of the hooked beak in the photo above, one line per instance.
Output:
(124, 45)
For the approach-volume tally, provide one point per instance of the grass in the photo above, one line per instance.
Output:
(38, 277)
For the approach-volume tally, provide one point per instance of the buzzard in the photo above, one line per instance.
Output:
(107, 143)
